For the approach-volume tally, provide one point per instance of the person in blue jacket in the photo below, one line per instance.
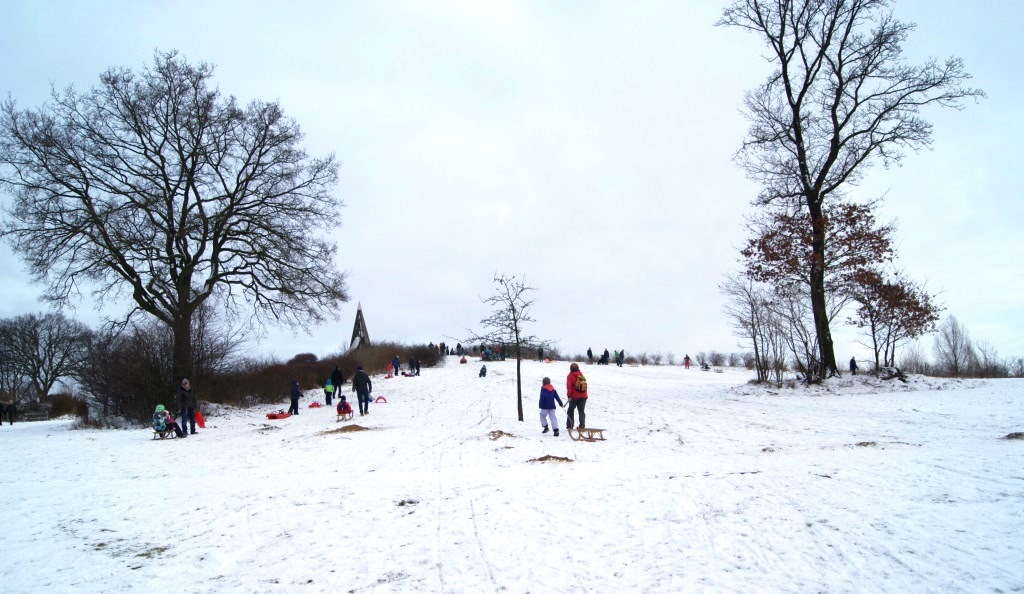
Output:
(548, 397)
(396, 363)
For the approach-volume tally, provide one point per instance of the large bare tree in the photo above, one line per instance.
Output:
(155, 186)
(45, 348)
(841, 97)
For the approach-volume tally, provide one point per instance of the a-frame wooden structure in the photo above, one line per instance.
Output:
(360, 336)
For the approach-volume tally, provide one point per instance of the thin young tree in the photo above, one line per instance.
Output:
(154, 186)
(506, 325)
(841, 97)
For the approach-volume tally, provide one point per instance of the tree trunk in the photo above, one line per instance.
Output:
(182, 330)
(826, 352)
(519, 383)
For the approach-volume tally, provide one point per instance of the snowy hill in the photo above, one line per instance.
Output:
(705, 484)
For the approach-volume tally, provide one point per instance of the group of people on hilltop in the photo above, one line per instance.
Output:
(620, 357)
(576, 393)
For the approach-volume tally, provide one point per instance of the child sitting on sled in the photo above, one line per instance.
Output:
(344, 408)
(162, 421)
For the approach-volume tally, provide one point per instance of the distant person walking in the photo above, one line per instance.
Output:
(187, 402)
(362, 386)
(548, 397)
(621, 358)
(853, 365)
(576, 391)
(294, 395)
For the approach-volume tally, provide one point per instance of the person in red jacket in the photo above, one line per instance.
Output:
(576, 390)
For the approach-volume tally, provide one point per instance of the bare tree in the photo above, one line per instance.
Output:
(841, 97)
(953, 349)
(45, 348)
(14, 383)
(914, 360)
(747, 309)
(506, 325)
(154, 185)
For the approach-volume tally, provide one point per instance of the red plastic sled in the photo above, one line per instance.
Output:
(200, 420)
(315, 405)
(278, 415)
(381, 399)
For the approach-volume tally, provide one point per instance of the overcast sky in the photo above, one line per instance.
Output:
(586, 146)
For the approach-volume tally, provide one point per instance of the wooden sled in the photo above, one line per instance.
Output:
(165, 434)
(345, 417)
(587, 434)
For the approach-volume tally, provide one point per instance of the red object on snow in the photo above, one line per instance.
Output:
(315, 405)
(381, 399)
(278, 415)
(200, 420)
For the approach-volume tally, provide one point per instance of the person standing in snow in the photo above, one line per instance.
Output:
(577, 398)
(337, 378)
(621, 357)
(853, 365)
(294, 395)
(328, 391)
(396, 363)
(590, 356)
(187, 402)
(362, 386)
(686, 361)
(548, 397)
(7, 410)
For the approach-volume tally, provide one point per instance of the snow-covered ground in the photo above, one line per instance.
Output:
(705, 484)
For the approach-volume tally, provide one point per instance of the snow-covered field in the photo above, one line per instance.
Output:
(705, 484)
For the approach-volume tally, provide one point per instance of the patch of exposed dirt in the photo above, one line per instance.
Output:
(865, 444)
(551, 459)
(496, 435)
(1015, 435)
(345, 429)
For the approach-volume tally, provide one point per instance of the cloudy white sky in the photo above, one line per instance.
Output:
(584, 145)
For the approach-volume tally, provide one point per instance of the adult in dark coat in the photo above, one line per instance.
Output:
(590, 355)
(362, 386)
(853, 365)
(187, 402)
(294, 395)
(337, 378)
(396, 364)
